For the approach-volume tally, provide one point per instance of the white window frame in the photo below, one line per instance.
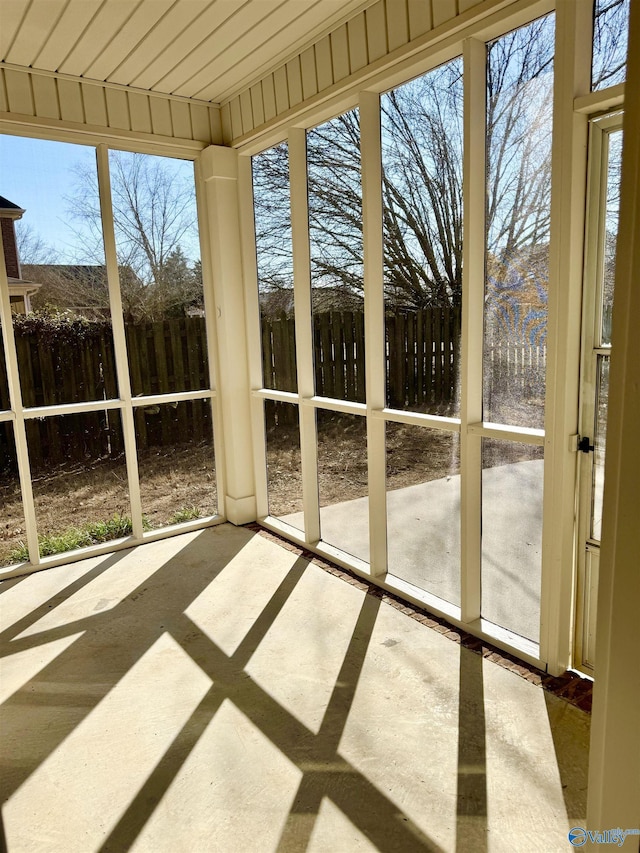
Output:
(125, 403)
(573, 102)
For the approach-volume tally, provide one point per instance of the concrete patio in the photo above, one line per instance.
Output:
(217, 692)
(423, 533)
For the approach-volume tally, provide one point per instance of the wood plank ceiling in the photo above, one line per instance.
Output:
(205, 49)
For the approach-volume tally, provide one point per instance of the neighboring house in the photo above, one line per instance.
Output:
(20, 290)
(336, 299)
(80, 288)
(280, 300)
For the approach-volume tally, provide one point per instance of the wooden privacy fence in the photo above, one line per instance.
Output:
(515, 371)
(422, 357)
(75, 362)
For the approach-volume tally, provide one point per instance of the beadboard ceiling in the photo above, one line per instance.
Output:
(205, 49)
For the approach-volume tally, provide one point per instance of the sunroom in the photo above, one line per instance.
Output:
(346, 270)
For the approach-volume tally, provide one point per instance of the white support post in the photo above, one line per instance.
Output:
(572, 78)
(15, 398)
(614, 757)
(304, 329)
(474, 188)
(119, 339)
(219, 172)
(371, 158)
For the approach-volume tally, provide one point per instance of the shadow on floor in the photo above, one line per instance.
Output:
(106, 645)
(471, 824)
(573, 761)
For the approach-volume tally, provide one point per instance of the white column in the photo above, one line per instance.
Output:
(252, 313)
(614, 761)
(218, 168)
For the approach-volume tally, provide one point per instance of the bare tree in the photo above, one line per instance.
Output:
(154, 218)
(422, 189)
(610, 28)
(335, 203)
(273, 224)
(422, 179)
(32, 249)
(80, 288)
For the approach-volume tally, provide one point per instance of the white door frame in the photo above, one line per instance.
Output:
(587, 548)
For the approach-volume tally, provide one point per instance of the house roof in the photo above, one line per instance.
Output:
(20, 287)
(196, 48)
(8, 208)
(89, 273)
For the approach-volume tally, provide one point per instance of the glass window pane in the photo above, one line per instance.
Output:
(274, 255)
(335, 231)
(512, 478)
(422, 192)
(79, 478)
(284, 470)
(57, 268)
(156, 227)
(176, 462)
(611, 231)
(343, 482)
(519, 121)
(423, 508)
(600, 441)
(610, 37)
(13, 539)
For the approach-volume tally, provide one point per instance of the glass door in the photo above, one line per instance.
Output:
(602, 233)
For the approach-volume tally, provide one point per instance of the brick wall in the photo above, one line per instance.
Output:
(10, 249)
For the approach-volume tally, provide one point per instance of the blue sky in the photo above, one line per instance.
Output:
(37, 175)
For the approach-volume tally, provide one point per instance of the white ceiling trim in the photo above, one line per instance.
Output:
(58, 75)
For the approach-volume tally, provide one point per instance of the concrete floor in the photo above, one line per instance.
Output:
(215, 692)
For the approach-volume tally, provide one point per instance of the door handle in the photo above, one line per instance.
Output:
(585, 444)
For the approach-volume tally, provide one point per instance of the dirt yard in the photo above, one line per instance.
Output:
(175, 483)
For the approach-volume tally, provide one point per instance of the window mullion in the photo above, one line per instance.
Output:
(119, 338)
(371, 154)
(474, 192)
(15, 396)
(304, 330)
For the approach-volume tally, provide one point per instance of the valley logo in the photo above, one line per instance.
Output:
(578, 836)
